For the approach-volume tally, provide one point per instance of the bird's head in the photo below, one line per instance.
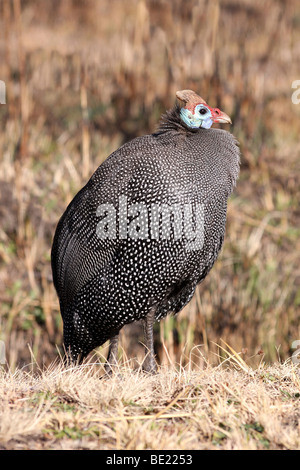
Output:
(196, 113)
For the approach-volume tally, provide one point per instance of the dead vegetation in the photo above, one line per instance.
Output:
(229, 406)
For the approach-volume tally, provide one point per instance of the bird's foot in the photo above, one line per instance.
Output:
(149, 365)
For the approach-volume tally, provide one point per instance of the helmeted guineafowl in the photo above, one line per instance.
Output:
(145, 230)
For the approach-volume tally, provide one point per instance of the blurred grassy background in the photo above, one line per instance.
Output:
(83, 77)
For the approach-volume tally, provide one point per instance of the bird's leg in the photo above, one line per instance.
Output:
(149, 364)
(112, 354)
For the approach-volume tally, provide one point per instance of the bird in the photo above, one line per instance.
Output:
(145, 230)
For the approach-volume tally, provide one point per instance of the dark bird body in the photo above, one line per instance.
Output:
(142, 268)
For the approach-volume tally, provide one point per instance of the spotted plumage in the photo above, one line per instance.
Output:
(125, 249)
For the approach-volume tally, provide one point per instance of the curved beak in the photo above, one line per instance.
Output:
(220, 116)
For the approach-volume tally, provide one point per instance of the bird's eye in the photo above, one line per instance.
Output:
(203, 111)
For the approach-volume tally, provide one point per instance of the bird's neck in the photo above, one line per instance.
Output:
(171, 121)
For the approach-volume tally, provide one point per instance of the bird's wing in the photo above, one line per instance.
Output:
(78, 252)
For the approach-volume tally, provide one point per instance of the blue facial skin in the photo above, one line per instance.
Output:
(198, 119)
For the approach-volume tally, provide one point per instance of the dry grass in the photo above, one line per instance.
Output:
(230, 406)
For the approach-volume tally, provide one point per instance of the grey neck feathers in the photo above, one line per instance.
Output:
(171, 121)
